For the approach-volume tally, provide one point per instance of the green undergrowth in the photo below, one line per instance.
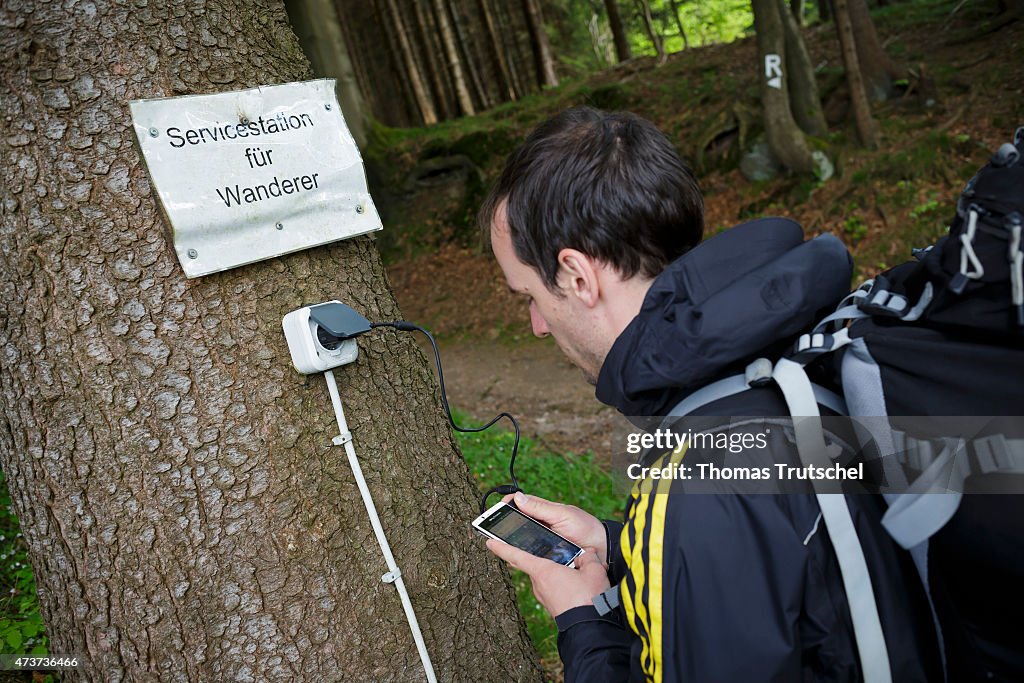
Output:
(575, 479)
(21, 626)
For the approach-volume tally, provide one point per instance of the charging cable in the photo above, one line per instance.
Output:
(502, 490)
(394, 574)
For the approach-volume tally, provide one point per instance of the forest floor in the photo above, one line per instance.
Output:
(881, 203)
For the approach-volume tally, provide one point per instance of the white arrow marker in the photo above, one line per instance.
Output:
(773, 70)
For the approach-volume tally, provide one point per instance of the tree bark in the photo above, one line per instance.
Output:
(185, 514)
(861, 109)
(454, 63)
(618, 31)
(498, 50)
(877, 70)
(645, 12)
(544, 59)
(679, 23)
(786, 140)
(803, 88)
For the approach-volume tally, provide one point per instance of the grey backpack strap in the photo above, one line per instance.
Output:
(934, 496)
(810, 438)
(757, 374)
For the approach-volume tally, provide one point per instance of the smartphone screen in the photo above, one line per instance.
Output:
(510, 525)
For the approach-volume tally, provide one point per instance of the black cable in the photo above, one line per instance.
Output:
(502, 490)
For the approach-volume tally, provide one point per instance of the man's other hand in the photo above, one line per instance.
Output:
(568, 521)
(557, 587)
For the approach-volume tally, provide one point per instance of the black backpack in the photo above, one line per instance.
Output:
(943, 337)
(931, 360)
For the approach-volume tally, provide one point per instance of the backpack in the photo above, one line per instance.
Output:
(939, 336)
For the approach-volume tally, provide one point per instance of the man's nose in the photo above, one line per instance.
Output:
(540, 327)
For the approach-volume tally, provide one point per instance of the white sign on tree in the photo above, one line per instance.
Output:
(248, 175)
(773, 70)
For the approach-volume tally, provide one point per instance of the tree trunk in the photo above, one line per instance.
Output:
(645, 11)
(824, 10)
(419, 90)
(543, 57)
(430, 55)
(319, 32)
(803, 89)
(861, 109)
(877, 70)
(356, 53)
(618, 31)
(454, 63)
(185, 514)
(397, 73)
(786, 140)
(498, 50)
(797, 8)
(679, 23)
(507, 31)
(466, 45)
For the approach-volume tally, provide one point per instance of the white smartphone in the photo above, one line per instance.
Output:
(506, 523)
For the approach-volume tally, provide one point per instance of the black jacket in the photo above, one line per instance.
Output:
(730, 586)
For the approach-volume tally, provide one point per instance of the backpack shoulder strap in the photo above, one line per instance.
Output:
(758, 373)
(810, 438)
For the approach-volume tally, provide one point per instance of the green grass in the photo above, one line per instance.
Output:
(570, 478)
(21, 626)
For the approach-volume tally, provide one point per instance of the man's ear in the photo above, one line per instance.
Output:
(578, 276)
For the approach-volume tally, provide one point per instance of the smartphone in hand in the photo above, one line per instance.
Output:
(506, 523)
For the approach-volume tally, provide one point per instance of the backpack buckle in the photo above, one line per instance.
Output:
(810, 346)
(882, 302)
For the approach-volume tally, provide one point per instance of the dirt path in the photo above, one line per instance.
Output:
(534, 382)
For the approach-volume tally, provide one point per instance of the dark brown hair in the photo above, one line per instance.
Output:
(610, 185)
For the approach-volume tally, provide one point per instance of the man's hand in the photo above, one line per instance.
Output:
(557, 587)
(568, 521)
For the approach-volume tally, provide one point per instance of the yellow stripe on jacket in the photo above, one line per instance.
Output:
(646, 525)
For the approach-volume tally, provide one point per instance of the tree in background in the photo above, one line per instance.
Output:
(877, 70)
(797, 7)
(319, 31)
(866, 128)
(679, 24)
(185, 514)
(785, 136)
(446, 57)
(544, 59)
(451, 52)
(412, 74)
(497, 50)
(622, 50)
(804, 97)
(644, 8)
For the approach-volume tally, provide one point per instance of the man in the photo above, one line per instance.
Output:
(595, 220)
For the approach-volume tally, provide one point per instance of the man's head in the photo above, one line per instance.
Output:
(588, 210)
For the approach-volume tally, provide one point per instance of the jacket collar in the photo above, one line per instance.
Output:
(730, 299)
